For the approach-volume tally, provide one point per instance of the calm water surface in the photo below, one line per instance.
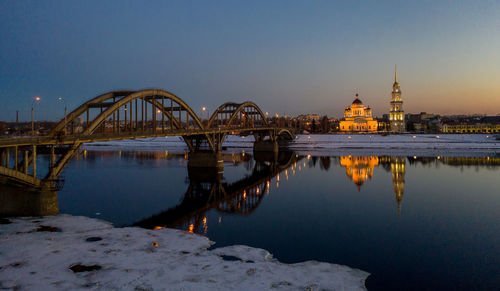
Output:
(414, 223)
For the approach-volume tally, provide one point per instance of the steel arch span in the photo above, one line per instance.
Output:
(128, 114)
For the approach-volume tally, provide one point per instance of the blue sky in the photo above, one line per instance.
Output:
(287, 56)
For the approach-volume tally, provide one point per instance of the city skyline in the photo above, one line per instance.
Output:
(292, 58)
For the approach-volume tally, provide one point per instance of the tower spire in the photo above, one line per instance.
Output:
(395, 74)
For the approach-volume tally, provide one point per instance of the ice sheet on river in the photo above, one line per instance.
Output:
(325, 144)
(139, 259)
(398, 141)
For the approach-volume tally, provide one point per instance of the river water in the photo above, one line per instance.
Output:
(413, 222)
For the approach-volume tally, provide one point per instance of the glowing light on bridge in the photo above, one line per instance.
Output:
(205, 225)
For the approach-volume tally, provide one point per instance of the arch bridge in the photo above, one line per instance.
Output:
(120, 115)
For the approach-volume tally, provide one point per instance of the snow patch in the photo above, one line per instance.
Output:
(134, 258)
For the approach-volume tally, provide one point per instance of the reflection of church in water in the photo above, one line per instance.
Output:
(359, 169)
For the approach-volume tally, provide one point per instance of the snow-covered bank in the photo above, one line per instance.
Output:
(139, 259)
(401, 141)
(331, 144)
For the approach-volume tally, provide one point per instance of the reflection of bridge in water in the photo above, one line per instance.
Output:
(137, 114)
(206, 191)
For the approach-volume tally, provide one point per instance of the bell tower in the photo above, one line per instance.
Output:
(397, 115)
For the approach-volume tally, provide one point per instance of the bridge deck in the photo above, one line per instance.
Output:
(70, 139)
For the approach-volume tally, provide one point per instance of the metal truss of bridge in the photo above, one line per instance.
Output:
(122, 115)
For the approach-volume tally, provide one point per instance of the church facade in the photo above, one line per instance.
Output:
(358, 118)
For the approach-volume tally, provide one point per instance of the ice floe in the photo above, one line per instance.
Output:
(81, 253)
(455, 144)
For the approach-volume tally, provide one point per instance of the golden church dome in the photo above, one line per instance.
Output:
(357, 101)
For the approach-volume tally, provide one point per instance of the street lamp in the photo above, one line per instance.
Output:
(36, 99)
(204, 109)
(60, 99)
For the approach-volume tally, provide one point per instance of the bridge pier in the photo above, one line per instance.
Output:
(19, 201)
(206, 159)
(266, 146)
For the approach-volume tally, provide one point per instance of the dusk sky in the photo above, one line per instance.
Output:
(287, 56)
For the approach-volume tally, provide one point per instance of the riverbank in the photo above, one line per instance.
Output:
(66, 252)
(410, 142)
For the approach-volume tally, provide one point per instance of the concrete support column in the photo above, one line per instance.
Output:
(16, 157)
(7, 157)
(34, 161)
(206, 159)
(266, 146)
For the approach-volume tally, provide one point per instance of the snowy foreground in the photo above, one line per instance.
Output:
(66, 252)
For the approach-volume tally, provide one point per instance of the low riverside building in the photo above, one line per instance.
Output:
(487, 124)
(471, 128)
(358, 118)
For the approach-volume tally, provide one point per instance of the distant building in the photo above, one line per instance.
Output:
(487, 124)
(383, 123)
(397, 115)
(309, 122)
(358, 118)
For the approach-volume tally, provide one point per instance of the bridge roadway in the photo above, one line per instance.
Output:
(71, 139)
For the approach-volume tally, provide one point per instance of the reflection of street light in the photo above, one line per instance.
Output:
(36, 99)
(60, 99)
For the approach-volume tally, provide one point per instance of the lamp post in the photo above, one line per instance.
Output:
(60, 99)
(204, 109)
(36, 99)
